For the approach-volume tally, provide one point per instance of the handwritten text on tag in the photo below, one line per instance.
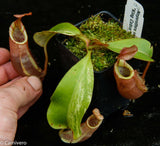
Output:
(133, 17)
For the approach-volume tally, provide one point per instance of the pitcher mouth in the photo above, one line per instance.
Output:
(123, 69)
(21, 56)
(18, 33)
(87, 128)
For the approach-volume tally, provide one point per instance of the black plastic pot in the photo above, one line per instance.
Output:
(105, 95)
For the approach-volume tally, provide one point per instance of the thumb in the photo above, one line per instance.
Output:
(21, 93)
(15, 99)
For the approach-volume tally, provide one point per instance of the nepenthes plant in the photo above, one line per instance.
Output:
(73, 95)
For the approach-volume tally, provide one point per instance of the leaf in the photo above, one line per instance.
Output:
(145, 51)
(66, 29)
(42, 38)
(72, 97)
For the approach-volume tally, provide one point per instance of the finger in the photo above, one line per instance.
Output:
(10, 82)
(7, 72)
(21, 93)
(25, 108)
(4, 55)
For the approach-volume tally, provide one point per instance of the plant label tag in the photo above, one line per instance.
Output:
(133, 17)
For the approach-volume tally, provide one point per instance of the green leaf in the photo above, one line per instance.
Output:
(66, 29)
(42, 38)
(145, 51)
(72, 97)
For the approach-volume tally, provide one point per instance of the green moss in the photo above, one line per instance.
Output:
(96, 28)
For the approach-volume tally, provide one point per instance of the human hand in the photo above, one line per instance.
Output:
(17, 94)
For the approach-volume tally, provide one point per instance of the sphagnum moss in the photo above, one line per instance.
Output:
(96, 29)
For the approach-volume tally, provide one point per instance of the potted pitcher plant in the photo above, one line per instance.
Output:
(93, 56)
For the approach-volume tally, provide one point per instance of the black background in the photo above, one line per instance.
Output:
(143, 129)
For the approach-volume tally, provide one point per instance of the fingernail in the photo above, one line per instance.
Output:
(35, 82)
